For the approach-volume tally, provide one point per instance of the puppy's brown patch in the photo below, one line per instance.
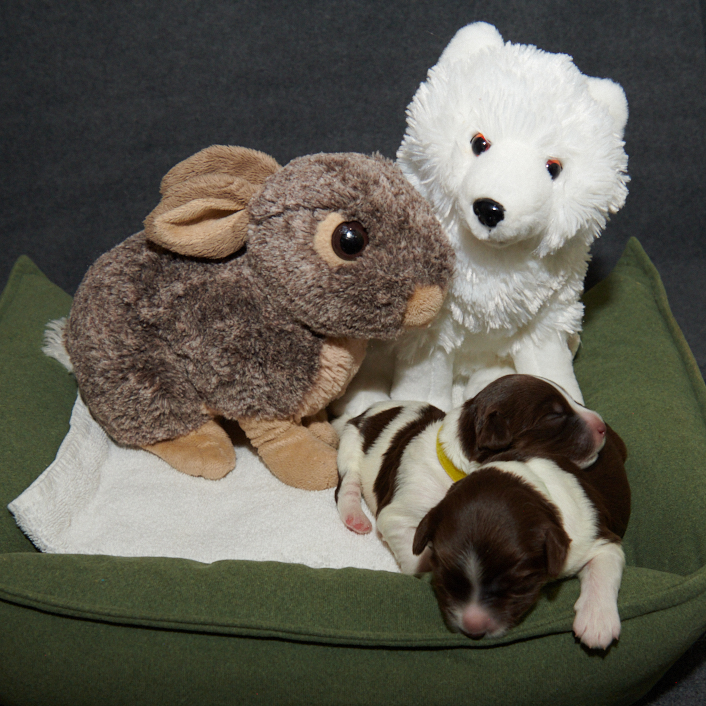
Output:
(371, 427)
(605, 482)
(384, 486)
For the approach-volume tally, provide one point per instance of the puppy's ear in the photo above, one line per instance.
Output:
(203, 212)
(493, 432)
(556, 548)
(425, 532)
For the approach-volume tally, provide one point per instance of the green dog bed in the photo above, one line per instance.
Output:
(100, 629)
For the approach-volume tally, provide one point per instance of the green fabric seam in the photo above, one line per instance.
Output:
(688, 589)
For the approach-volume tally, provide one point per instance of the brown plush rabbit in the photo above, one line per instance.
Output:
(250, 296)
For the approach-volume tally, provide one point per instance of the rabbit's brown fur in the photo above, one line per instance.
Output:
(164, 340)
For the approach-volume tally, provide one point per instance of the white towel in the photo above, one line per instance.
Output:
(99, 498)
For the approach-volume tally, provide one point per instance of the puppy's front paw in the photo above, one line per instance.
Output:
(596, 625)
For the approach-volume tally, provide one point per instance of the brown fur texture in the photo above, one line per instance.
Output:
(163, 340)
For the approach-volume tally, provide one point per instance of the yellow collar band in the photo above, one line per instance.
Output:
(446, 463)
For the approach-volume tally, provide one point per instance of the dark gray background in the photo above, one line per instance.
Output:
(99, 100)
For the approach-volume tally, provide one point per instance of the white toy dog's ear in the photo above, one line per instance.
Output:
(469, 40)
(611, 95)
(203, 211)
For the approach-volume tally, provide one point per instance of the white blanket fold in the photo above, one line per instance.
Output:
(100, 498)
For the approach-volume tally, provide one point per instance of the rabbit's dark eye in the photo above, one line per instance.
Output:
(479, 144)
(349, 240)
(554, 168)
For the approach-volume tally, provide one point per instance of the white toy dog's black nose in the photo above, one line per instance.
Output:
(489, 212)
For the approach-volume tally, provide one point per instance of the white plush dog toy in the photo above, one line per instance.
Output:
(521, 156)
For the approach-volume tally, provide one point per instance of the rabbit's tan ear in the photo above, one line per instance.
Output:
(203, 211)
(204, 217)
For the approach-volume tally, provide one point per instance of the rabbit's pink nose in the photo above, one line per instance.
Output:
(423, 306)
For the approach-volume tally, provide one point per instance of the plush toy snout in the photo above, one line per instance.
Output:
(508, 187)
(488, 212)
(423, 306)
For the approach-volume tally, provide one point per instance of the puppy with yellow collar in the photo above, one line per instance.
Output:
(497, 497)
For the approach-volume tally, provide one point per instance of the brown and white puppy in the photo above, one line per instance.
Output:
(534, 501)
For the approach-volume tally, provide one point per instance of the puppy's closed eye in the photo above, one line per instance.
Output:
(556, 409)
(555, 414)
(499, 587)
(554, 417)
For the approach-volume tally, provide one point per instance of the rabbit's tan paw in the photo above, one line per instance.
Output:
(293, 454)
(298, 458)
(207, 452)
(319, 426)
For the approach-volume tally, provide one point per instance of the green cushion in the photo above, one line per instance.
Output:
(99, 629)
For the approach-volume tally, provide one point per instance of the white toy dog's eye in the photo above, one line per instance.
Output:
(554, 168)
(349, 240)
(479, 144)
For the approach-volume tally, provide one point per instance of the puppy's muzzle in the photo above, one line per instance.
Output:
(476, 622)
(597, 427)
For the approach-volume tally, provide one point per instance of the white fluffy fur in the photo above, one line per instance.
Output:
(514, 303)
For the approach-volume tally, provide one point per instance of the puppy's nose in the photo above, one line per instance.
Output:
(477, 622)
(597, 426)
(600, 432)
(488, 212)
(423, 306)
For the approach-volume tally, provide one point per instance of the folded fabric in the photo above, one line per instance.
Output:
(100, 498)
